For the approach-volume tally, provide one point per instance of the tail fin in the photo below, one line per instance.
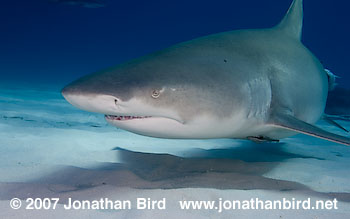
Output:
(331, 80)
(292, 23)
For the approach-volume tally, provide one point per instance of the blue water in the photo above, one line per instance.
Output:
(48, 148)
(49, 41)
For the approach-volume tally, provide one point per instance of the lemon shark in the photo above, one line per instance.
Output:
(257, 84)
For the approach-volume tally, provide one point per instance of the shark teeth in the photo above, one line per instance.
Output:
(110, 117)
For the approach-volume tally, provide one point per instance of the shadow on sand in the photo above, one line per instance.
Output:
(240, 168)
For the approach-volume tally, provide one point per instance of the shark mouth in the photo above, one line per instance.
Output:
(122, 118)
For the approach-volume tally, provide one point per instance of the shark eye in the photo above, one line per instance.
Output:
(116, 101)
(155, 94)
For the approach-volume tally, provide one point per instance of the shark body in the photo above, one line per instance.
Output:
(261, 84)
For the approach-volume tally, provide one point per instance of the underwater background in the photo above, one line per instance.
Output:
(51, 41)
(48, 148)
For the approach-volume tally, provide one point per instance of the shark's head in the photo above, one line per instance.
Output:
(156, 96)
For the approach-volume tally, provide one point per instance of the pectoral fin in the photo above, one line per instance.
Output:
(331, 121)
(289, 122)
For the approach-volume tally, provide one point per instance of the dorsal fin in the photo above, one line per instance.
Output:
(292, 23)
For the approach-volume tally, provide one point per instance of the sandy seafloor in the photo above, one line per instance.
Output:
(49, 149)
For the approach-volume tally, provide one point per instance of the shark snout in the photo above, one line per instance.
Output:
(73, 89)
(71, 95)
(66, 91)
(89, 101)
